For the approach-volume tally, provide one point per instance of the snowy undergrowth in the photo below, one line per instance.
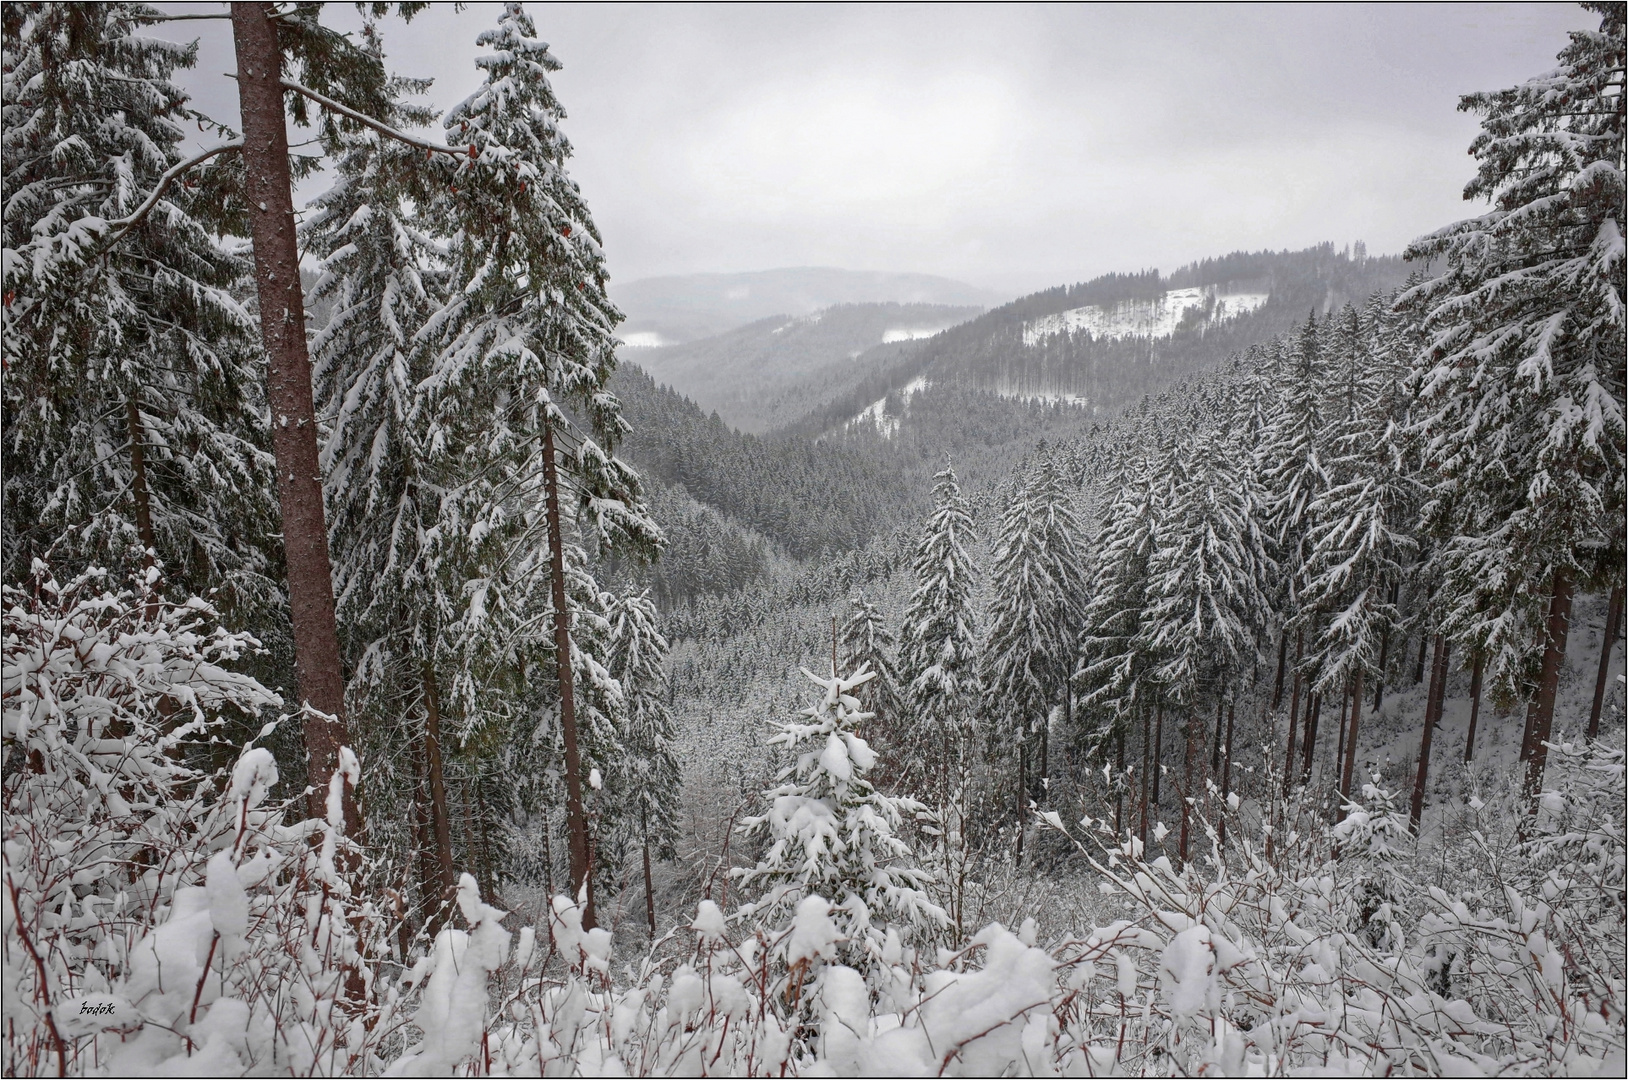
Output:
(159, 920)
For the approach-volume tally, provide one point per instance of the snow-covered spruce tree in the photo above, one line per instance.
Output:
(1293, 473)
(134, 407)
(392, 480)
(830, 833)
(520, 373)
(638, 662)
(1362, 543)
(868, 644)
(938, 648)
(1522, 379)
(1037, 593)
(1115, 694)
(1207, 602)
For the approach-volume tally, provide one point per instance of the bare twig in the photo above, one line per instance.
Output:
(122, 227)
(362, 118)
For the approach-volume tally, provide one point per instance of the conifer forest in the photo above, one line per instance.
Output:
(421, 659)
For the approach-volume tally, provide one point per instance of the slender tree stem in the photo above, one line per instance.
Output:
(1613, 624)
(575, 813)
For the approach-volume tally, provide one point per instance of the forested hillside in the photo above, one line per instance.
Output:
(999, 352)
(1207, 674)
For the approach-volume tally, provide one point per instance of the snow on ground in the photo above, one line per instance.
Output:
(907, 333)
(806, 320)
(1144, 318)
(876, 411)
(1044, 397)
(1390, 738)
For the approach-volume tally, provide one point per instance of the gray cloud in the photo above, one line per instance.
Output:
(1009, 146)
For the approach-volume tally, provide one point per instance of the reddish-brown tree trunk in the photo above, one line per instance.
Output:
(139, 490)
(1613, 623)
(1220, 707)
(649, 885)
(1433, 704)
(1192, 780)
(1475, 706)
(1314, 712)
(440, 815)
(1379, 682)
(1147, 781)
(1294, 717)
(576, 817)
(1158, 753)
(1348, 766)
(270, 199)
(1344, 723)
(1226, 777)
(1119, 794)
(1277, 687)
(1543, 706)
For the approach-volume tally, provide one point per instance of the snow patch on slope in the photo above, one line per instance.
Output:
(876, 411)
(1145, 318)
(904, 333)
(1044, 397)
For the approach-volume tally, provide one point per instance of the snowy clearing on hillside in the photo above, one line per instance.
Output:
(1145, 318)
(876, 411)
(911, 333)
(1043, 397)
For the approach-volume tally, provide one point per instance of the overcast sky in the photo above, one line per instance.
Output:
(1012, 147)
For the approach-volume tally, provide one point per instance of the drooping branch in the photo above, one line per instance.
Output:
(367, 121)
(122, 227)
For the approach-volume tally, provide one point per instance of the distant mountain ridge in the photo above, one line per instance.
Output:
(680, 308)
(770, 372)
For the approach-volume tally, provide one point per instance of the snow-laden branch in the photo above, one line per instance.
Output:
(121, 228)
(362, 118)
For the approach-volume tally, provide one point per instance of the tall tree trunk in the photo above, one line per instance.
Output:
(1147, 781)
(1191, 781)
(1543, 706)
(1433, 703)
(430, 887)
(1226, 776)
(1379, 681)
(1220, 707)
(1384, 652)
(269, 196)
(649, 887)
(440, 816)
(1349, 765)
(1418, 670)
(1475, 705)
(1339, 744)
(1119, 766)
(1613, 622)
(1294, 717)
(1314, 713)
(576, 816)
(1277, 687)
(1022, 779)
(1158, 752)
(139, 490)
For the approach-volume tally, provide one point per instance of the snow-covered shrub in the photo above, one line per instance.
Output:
(156, 913)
